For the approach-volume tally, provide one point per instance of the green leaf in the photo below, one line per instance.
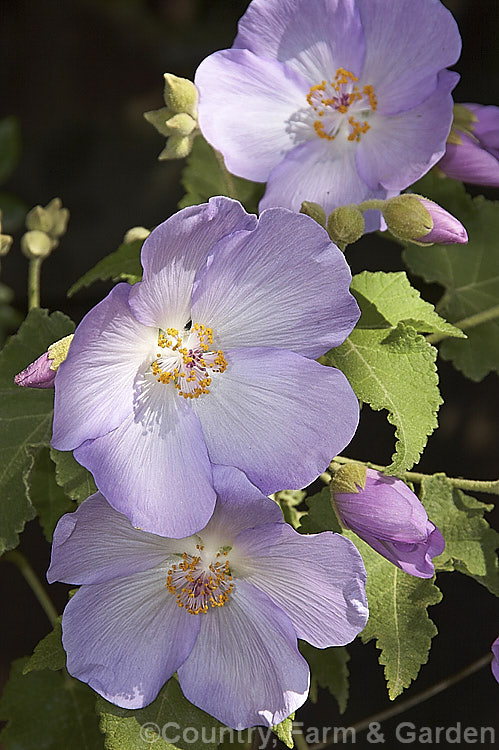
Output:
(48, 653)
(469, 273)
(122, 265)
(320, 516)
(394, 369)
(284, 731)
(10, 319)
(75, 480)
(25, 419)
(14, 211)
(288, 501)
(50, 501)
(137, 730)
(203, 178)
(398, 619)
(470, 543)
(10, 146)
(329, 669)
(48, 711)
(393, 300)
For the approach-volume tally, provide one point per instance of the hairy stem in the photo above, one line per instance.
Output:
(18, 559)
(372, 204)
(466, 323)
(34, 269)
(228, 178)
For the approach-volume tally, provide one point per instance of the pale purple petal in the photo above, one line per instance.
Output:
(486, 129)
(300, 280)
(245, 104)
(407, 44)
(399, 149)
(469, 162)
(495, 659)
(447, 230)
(174, 252)
(94, 388)
(321, 171)
(38, 374)
(154, 468)
(255, 674)
(413, 558)
(95, 544)
(240, 505)
(317, 579)
(126, 637)
(278, 416)
(314, 38)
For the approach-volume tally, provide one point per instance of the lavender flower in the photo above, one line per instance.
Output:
(223, 608)
(472, 153)
(387, 515)
(210, 360)
(332, 101)
(495, 659)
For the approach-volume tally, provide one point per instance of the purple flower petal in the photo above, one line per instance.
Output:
(407, 44)
(95, 544)
(264, 399)
(244, 106)
(317, 171)
(486, 129)
(280, 313)
(94, 387)
(174, 252)
(382, 155)
(315, 39)
(318, 580)
(415, 558)
(154, 468)
(255, 675)
(126, 637)
(495, 659)
(470, 163)
(447, 230)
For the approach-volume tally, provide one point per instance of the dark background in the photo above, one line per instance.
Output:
(79, 74)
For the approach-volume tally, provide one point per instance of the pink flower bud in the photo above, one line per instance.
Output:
(472, 152)
(38, 374)
(447, 230)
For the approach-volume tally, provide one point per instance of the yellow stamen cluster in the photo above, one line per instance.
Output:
(198, 588)
(357, 129)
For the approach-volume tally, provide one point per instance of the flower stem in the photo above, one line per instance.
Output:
(34, 269)
(474, 485)
(372, 204)
(18, 559)
(228, 178)
(402, 706)
(473, 320)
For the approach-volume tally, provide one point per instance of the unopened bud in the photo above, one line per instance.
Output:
(136, 233)
(177, 121)
(447, 230)
(346, 225)
(315, 211)
(419, 220)
(36, 244)
(41, 373)
(51, 219)
(180, 95)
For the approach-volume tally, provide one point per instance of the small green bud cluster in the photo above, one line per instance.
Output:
(45, 225)
(177, 121)
(344, 225)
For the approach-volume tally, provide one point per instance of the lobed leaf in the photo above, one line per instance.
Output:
(328, 669)
(48, 653)
(76, 481)
(48, 498)
(121, 265)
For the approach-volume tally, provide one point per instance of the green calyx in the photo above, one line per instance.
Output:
(346, 225)
(177, 121)
(406, 217)
(315, 211)
(464, 120)
(349, 478)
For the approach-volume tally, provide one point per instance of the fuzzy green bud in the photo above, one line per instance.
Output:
(51, 219)
(315, 211)
(346, 225)
(36, 244)
(406, 217)
(349, 478)
(177, 121)
(136, 233)
(180, 95)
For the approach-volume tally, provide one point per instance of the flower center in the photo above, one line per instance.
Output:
(199, 584)
(332, 101)
(187, 360)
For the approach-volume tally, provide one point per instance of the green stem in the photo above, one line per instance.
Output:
(228, 178)
(300, 741)
(470, 322)
(18, 559)
(34, 269)
(402, 706)
(372, 204)
(474, 485)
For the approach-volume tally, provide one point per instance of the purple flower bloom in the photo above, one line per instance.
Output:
(495, 659)
(447, 230)
(223, 608)
(472, 153)
(333, 101)
(210, 360)
(390, 518)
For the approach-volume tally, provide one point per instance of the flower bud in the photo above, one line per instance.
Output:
(472, 150)
(51, 219)
(180, 95)
(5, 240)
(346, 225)
(386, 514)
(178, 120)
(419, 220)
(315, 211)
(136, 233)
(41, 373)
(447, 230)
(36, 244)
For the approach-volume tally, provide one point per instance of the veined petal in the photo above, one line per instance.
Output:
(320, 171)
(95, 544)
(126, 637)
(174, 252)
(266, 410)
(245, 668)
(317, 579)
(407, 44)
(382, 154)
(314, 38)
(154, 467)
(245, 103)
(300, 282)
(94, 386)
